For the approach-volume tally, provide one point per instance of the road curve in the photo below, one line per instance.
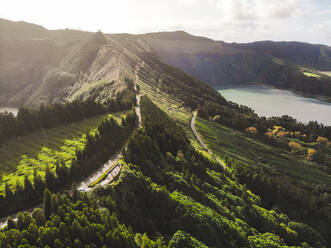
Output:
(194, 117)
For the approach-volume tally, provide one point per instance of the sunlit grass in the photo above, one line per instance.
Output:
(309, 74)
(20, 157)
(104, 175)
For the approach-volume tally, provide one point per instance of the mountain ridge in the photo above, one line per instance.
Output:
(170, 186)
(64, 65)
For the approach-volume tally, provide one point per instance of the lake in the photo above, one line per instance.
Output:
(268, 101)
(10, 110)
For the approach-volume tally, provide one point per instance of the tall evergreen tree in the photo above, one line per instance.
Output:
(47, 203)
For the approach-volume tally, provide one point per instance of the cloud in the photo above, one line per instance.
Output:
(258, 9)
(188, 2)
(229, 20)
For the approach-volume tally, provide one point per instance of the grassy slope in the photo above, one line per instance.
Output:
(163, 197)
(172, 106)
(227, 142)
(309, 74)
(19, 157)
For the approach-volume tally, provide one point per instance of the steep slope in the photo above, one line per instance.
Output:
(43, 66)
(220, 63)
(56, 66)
(167, 190)
(304, 54)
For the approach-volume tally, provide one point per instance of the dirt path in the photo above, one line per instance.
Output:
(84, 185)
(194, 117)
(196, 134)
(137, 108)
(111, 175)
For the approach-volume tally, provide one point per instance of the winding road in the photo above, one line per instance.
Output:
(137, 108)
(84, 185)
(196, 134)
(194, 117)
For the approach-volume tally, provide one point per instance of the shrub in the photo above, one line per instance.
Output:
(251, 130)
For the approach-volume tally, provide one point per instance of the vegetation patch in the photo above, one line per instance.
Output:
(310, 74)
(36, 151)
(281, 178)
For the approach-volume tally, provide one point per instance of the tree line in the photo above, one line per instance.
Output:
(299, 199)
(240, 117)
(71, 220)
(99, 147)
(31, 120)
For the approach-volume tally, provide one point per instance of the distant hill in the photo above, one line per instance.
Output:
(218, 63)
(300, 53)
(43, 66)
(18, 31)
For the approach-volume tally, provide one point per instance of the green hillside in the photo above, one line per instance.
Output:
(258, 183)
(283, 180)
(21, 157)
(169, 191)
(219, 63)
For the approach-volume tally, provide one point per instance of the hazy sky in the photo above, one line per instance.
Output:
(228, 20)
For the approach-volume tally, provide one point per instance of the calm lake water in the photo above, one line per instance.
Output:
(11, 110)
(267, 101)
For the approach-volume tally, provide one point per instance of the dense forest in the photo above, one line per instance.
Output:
(108, 139)
(300, 200)
(276, 189)
(167, 190)
(30, 120)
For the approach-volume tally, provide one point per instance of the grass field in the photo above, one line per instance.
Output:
(227, 142)
(20, 157)
(310, 74)
(172, 106)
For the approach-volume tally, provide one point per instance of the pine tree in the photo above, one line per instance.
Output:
(28, 188)
(38, 183)
(54, 203)
(47, 203)
(9, 193)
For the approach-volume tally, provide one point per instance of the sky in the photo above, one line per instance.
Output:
(227, 20)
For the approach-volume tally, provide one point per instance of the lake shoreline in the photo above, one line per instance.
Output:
(323, 98)
(271, 101)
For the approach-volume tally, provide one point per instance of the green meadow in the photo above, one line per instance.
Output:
(310, 74)
(226, 142)
(36, 151)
